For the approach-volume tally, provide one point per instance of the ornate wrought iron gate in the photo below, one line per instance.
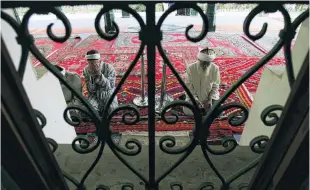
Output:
(150, 36)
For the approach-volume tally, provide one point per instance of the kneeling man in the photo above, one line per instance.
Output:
(100, 81)
(203, 80)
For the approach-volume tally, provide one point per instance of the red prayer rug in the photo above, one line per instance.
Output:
(131, 89)
(235, 57)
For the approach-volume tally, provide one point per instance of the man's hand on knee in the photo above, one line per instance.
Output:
(207, 104)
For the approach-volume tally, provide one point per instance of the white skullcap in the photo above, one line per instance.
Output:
(205, 57)
(95, 56)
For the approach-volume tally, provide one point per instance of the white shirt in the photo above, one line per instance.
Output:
(203, 84)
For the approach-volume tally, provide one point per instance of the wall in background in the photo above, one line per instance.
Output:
(45, 94)
(274, 88)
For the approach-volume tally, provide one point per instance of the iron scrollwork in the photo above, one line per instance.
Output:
(167, 144)
(267, 112)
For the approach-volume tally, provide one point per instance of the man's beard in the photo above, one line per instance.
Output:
(204, 66)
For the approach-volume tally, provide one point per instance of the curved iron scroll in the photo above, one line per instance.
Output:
(168, 143)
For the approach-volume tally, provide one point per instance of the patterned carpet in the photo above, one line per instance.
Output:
(235, 57)
(48, 47)
(225, 44)
(164, 28)
(51, 51)
(267, 42)
(131, 89)
(231, 68)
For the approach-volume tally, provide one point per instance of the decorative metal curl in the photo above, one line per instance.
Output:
(53, 144)
(125, 76)
(201, 36)
(109, 37)
(78, 109)
(242, 171)
(106, 10)
(176, 103)
(133, 146)
(125, 186)
(243, 186)
(72, 180)
(102, 187)
(181, 5)
(84, 146)
(257, 66)
(286, 35)
(254, 12)
(206, 186)
(24, 33)
(259, 144)
(234, 176)
(194, 107)
(104, 131)
(45, 10)
(263, 61)
(40, 118)
(267, 112)
(127, 108)
(176, 186)
(190, 147)
(128, 186)
(234, 120)
(167, 145)
(228, 142)
(34, 50)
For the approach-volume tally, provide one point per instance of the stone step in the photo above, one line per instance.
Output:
(157, 133)
(181, 137)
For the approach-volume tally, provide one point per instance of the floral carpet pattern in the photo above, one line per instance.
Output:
(225, 44)
(235, 56)
(164, 28)
(50, 50)
(266, 43)
(131, 89)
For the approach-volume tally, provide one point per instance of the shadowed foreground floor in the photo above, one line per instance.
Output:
(192, 172)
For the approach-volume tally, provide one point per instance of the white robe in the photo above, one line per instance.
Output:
(203, 84)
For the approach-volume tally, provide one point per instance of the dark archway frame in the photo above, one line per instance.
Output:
(151, 36)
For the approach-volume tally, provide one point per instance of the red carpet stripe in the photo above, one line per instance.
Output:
(254, 44)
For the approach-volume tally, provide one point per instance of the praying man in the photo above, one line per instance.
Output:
(203, 80)
(100, 82)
